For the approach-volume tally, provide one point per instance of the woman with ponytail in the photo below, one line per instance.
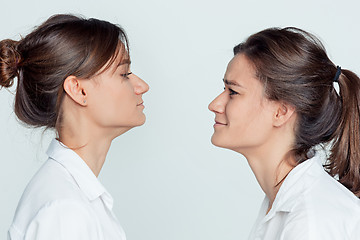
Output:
(73, 76)
(284, 101)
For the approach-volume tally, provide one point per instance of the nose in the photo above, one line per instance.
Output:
(140, 86)
(218, 104)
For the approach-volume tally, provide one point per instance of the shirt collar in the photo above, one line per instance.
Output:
(80, 171)
(295, 184)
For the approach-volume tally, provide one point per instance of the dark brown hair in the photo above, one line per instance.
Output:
(63, 45)
(294, 68)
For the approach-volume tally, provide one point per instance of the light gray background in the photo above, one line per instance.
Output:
(168, 181)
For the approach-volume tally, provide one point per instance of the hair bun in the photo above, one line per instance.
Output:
(9, 59)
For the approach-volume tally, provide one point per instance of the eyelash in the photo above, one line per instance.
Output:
(232, 92)
(125, 75)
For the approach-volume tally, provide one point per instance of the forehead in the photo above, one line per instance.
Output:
(240, 67)
(122, 55)
(241, 72)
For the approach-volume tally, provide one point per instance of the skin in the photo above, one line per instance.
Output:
(97, 110)
(250, 124)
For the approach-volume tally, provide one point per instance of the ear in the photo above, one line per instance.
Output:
(283, 114)
(75, 90)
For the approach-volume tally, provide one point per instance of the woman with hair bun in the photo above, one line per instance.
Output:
(73, 76)
(284, 100)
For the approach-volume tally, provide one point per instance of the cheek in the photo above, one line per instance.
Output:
(241, 119)
(114, 105)
(240, 113)
(124, 110)
(248, 125)
(122, 102)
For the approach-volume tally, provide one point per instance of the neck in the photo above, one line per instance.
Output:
(271, 163)
(92, 149)
(90, 141)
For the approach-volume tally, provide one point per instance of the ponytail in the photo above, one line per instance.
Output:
(293, 66)
(344, 159)
(9, 58)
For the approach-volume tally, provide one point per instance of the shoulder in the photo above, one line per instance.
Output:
(51, 189)
(329, 198)
(60, 219)
(322, 195)
(50, 183)
(65, 211)
(303, 226)
(326, 210)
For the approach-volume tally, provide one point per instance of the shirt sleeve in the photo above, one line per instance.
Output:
(63, 220)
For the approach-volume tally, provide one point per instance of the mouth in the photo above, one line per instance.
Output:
(140, 104)
(217, 123)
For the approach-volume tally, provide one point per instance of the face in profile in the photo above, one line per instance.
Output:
(243, 115)
(115, 98)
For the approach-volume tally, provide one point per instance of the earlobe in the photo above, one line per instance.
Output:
(75, 90)
(283, 114)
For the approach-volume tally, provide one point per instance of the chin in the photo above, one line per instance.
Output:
(134, 122)
(141, 121)
(218, 142)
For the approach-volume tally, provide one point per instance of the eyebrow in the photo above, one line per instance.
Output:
(232, 83)
(124, 61)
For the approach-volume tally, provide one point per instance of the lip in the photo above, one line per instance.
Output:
(140, 104)
(217, 123)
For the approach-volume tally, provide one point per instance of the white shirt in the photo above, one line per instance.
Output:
(310, 205)
(65, 201)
